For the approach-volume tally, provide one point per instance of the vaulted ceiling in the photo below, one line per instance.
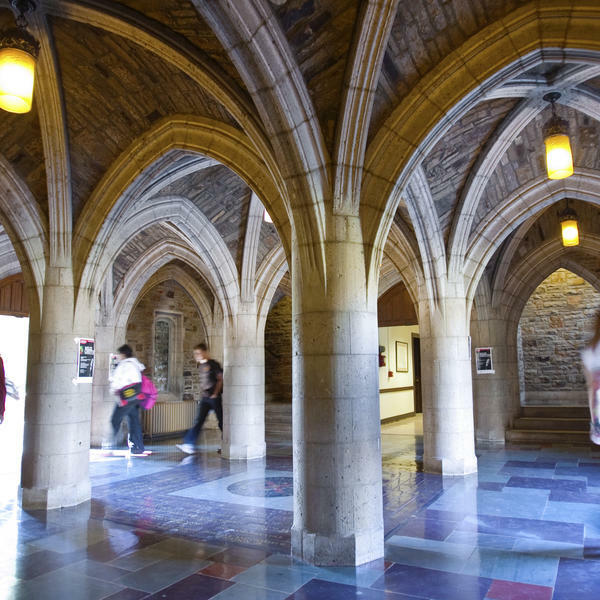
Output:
(115, 86)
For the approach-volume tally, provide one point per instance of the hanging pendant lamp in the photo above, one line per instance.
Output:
(18, 54)
(568, 226)
(559, 158)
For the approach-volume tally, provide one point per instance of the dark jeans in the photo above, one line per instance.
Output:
(132, 411)
(206, 405)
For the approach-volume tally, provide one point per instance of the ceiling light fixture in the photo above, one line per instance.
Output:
(18, 54)
(559, 159)
(568, 226)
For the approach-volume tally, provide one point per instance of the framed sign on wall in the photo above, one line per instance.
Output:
(483, 360)
(401, 357)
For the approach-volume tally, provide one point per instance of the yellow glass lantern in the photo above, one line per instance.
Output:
(559, 158)
(17, 69)
(18, 53)
(568, 226)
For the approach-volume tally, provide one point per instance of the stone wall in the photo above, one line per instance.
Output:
(168, 297)
(555, 325)
(278, 352)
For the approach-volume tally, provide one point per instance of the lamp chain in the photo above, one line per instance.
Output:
(22, 7)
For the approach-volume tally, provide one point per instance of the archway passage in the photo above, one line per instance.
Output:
(13, 353)
(556, 323)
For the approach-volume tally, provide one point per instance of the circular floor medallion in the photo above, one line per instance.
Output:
(267, 487)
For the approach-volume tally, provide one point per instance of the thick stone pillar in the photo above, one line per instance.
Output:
(57, 411)
(448, 432)
(244, 387)
(103, 401)
(338, 515)
(496, 395)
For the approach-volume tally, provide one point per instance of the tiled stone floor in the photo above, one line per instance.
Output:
(526, 527)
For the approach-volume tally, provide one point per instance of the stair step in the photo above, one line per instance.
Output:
(581, 412)
(556, 423)
(547, 436)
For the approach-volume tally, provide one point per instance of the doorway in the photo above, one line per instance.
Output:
(13, 349)
(416, 356)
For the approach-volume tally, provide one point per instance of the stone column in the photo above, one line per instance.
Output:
(103, 401)
(448, 433)
(496, 395)
(57, 411)
(338, 515)
(244, 387)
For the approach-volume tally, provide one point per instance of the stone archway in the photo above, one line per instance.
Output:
(554, 327)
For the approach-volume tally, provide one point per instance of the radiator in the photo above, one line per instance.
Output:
(169, 417)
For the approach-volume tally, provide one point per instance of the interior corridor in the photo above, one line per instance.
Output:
(526, 526)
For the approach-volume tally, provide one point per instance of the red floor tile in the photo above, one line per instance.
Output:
(222, 570)
(511, 590)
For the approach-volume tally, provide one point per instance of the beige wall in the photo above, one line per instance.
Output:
(393, 404)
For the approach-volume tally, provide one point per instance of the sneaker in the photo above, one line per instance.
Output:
(187, 448)
(139, 454)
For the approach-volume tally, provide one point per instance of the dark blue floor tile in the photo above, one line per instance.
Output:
(194, 587)
(531, 464)
(432, 584)
(430, 529)
(581, 497)
(494, 486)
(38, 563)
(513, 526)
(128, 594)
(316, 589)
(541, 483)
(577, 580)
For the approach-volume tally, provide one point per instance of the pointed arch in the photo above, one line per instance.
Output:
(195, 229)
(104, 209)
(26, 227)
(556, 29)
(147, 272)
(542, 263)
(269, 275)
(525, 203)
(177, 51)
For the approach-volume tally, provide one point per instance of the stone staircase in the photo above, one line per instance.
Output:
(278, 421)
(551, 425)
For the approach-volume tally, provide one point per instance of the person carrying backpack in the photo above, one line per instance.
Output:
(126, 383)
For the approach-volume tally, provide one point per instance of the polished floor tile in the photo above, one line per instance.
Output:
(317, 589)
(432, 584)
(196, 587)
(526, 526)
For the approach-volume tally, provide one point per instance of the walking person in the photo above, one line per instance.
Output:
(211, 386)
(590, 357)
(126, 382)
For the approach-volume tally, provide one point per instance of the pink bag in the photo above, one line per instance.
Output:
(148, 393)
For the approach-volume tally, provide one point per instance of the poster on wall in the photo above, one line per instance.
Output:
(85, 360)
(483, 360)
(401, 357)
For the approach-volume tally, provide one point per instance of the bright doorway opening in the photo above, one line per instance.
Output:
(14, 333)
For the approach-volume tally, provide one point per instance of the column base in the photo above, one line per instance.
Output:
(489, 442)
(450, 466)
(56, 497)
(243, 452)
(336, 550)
